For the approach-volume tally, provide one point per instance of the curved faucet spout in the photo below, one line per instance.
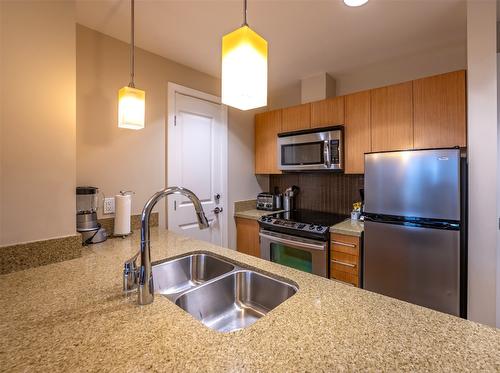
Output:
(146, 290)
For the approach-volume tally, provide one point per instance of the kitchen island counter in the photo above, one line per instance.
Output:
(72, 316)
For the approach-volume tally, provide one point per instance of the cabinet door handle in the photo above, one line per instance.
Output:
(344, 263)
(343, 244)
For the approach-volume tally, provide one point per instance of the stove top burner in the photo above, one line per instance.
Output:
(305, 223)
(310, 217)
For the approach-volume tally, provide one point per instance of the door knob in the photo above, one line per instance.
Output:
(217, 210)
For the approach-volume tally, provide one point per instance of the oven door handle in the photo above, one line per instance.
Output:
(304, 245)
(326, 154)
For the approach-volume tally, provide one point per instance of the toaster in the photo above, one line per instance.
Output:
(269, 201)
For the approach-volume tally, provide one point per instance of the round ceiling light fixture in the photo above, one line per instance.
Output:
(355, 2)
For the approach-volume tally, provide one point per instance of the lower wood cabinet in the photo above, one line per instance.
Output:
(345, 259)
(247, 236)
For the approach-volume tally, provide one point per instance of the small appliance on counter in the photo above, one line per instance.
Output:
(269, 201)
(319, 149)
(289, 198)
(356, 211)
(86, 216)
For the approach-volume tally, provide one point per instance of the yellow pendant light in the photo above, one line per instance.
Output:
(244, 68)
(131, 101)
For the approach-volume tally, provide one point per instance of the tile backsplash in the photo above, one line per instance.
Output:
(328, 192)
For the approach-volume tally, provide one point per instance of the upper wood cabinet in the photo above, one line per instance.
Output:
(267, 127)
(357, 131)
(392, 117)
(296, 118)
(327, 112)
(439, 111)
(424, 113)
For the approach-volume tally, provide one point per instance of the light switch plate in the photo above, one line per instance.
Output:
(109, 205)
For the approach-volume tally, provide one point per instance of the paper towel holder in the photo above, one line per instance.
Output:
(122, 232)
(126, 192)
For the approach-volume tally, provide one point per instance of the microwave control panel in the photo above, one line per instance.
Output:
(335, 151)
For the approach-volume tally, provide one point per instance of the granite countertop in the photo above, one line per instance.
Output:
(72, 316)
(254, 214)
(349, 227)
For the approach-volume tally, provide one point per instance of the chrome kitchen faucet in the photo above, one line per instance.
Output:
(142, 276)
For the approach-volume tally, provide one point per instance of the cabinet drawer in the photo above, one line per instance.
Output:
(344, 266)
(348, 278)
(344, 258)
(345, 244)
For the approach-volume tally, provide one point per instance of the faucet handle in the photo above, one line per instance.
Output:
(130, 274)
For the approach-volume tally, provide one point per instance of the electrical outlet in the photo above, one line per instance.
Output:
(109, 205)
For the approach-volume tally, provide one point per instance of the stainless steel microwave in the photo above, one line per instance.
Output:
(315, 149)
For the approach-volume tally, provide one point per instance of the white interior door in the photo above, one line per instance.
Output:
(197, 160)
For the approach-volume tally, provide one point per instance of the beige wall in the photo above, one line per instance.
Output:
(1, 122)
(483, 159)
(404, 68)
(37, 120)
(243, 184)
(285, 96)
(498, 188)
(114, 159)
(409, 67)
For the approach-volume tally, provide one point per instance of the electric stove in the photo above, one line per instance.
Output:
(302, 223)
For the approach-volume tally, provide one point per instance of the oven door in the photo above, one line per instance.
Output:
(300, 253)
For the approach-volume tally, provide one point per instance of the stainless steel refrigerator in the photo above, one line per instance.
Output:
(415, 227)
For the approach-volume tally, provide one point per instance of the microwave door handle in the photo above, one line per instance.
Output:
(326, 154)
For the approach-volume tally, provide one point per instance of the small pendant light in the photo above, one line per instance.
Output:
(244, 67)
(131, 101)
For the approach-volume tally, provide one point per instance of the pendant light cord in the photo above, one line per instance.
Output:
(132, 45)
(245, 13)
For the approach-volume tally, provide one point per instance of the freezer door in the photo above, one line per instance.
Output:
(415, 183)
(417, 265)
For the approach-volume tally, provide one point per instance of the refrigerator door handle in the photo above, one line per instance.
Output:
(422, 223)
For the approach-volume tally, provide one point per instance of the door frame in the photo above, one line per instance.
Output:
(172, 89)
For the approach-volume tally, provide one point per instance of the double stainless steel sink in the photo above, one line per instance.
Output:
(222, 295)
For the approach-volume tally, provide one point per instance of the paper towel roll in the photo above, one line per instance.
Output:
(123, 208)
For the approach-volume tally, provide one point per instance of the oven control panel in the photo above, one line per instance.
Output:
(274, 222)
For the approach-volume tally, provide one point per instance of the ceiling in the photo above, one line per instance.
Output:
(305, 37)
